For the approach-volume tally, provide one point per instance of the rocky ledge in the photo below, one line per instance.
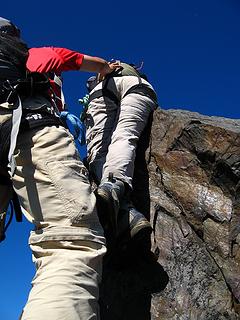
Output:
(187, 183)
(194, 170)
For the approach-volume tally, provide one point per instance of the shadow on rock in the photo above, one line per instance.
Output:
(130, 276)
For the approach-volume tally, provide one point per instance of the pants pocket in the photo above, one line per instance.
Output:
(70, 179)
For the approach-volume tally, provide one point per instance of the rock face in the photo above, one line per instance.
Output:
(187, 182)
(194, 170)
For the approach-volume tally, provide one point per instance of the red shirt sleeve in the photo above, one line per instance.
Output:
(52, 59)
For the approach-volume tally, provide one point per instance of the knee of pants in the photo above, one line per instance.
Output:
(69, 247)
(62, 236)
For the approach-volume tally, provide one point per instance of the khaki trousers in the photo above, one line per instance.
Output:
(67, 243)
(113, 130)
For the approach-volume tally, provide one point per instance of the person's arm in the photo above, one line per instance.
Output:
(98, 65)
(52, 59)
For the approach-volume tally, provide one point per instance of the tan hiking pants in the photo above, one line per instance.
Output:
(67, 243)
(113, 130)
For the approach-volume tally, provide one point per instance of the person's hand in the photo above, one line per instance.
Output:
(113, 65)
(108, 68)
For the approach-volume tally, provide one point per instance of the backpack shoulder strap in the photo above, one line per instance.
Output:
(58, 81)
(11, 205)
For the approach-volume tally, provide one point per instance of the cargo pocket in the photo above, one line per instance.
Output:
(70, 179)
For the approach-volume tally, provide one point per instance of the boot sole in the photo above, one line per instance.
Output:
(143, 227)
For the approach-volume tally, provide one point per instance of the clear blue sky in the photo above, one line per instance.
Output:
(191, 53)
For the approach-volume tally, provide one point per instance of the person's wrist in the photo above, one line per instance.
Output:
(105, 69)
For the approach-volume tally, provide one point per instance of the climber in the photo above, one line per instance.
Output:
(118, 111)
(40, 160)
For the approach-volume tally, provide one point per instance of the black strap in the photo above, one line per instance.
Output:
(140, 88)
(38, 118)
(17, 207)
(5, 180)
(105, 92)
(4, 224)
(144, 90)
(35, 83)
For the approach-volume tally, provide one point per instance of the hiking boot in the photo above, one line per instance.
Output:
(138, 223)
(132, 224)
(109, 194)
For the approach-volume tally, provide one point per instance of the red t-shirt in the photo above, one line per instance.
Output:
(51, 59)
(56, 60)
